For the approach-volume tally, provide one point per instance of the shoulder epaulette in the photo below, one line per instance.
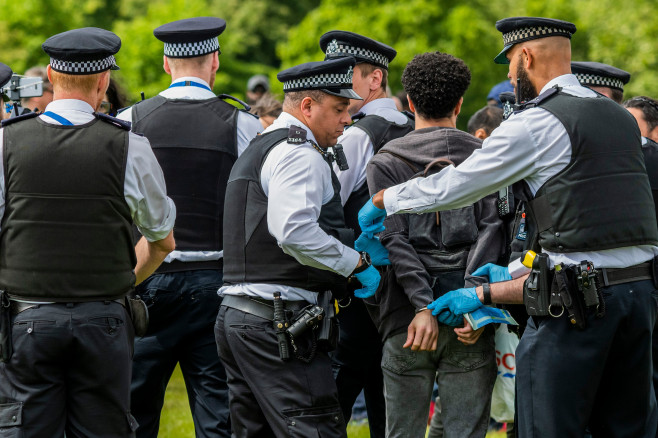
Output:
(228, 96)
(19, 118)
(123, 124)
(538, 100)
(296, 135)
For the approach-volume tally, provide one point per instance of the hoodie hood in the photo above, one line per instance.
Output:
(425, 145)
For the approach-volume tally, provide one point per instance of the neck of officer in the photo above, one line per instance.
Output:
(92, 99)
(379, 93)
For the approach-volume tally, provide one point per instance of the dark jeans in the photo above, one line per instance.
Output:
(269, 397)
(70, 373)
(182, 309)
(600, 377)
(357, 366)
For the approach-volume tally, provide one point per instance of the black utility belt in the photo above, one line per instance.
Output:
(292, 322)
(575, 290)
(21, 306)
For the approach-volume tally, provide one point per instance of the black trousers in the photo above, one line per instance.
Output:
(269, 397)
(70, 373)
(601, 377)
(357, 366)
(182, 308)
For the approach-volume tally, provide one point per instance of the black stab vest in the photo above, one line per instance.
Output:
(380, 131)
(602, 199)
(251, 254)
(195, 142)
(67, 230)
(650, 151)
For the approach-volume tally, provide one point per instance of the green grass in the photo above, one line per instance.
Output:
(176, 421)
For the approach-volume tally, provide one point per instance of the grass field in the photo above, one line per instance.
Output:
(176, 421)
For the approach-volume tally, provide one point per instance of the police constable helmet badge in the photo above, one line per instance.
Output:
(332, 47)
(349, 74)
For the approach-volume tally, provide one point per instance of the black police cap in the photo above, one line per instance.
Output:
(190, 37)
(340, 44)
(83, 51)
(332, 77)
(5, 74)
(597, 74)
(519, 29)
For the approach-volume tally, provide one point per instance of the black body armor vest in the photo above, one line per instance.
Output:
(66, 232)
(602, 199)
(195, 142)
(380, 131)
(251, 254)
(650, 151)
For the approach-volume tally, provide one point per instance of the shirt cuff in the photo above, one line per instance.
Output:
(391, 201)
(348, 262)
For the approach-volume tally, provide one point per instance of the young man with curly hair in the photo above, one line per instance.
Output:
(431, 254)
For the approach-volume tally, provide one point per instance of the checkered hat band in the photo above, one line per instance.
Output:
(343, 49)
(82, 67)
(599, 81)
(190, 50)
(527, 33)
(328, 80)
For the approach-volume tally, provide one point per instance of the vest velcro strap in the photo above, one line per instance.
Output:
(542, 211)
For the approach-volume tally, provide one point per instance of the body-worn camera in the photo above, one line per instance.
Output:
(309, 318)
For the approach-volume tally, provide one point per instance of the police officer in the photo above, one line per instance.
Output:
(74, 182)
(602, 78)
(285, 234)
(196, 137)
(578, 153)
(376, 122)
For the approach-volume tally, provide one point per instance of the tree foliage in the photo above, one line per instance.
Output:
(608, 32)
(263, 36)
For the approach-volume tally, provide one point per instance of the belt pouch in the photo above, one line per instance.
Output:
(572, 298)
(537, 289)
(139, 315)
(327, 331)
(6, 347)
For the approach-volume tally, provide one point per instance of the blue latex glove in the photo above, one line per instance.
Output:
(448, 318)
(458, 301)
(371, 219)
(378, 254)
(494, 272)
(370, 280)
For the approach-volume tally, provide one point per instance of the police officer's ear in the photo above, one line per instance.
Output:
(305, 106)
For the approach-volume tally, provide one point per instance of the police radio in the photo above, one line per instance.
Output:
(505, 202)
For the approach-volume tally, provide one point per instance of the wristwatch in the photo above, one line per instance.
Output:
(486, 294)
(365, 263)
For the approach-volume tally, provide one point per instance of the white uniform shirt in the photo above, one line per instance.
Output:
(144, 186)
(248, 128)
(297, 182)
(532, 145)
(358, 146)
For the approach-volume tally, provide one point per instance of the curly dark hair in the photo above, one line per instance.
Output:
(435, 82)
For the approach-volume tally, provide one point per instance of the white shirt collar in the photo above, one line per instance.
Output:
(69, 105)
(285, 120)
(378, 104)
(568, 80)
(191, 79)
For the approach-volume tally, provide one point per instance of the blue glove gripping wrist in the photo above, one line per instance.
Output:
(494, 272)
(371, 219)
(370, 281)
(458, 301)
(448, 318)
(378, 253)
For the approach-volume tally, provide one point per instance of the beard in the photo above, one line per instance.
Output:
(525, 90)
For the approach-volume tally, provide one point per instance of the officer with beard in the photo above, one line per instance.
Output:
(579, 154)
